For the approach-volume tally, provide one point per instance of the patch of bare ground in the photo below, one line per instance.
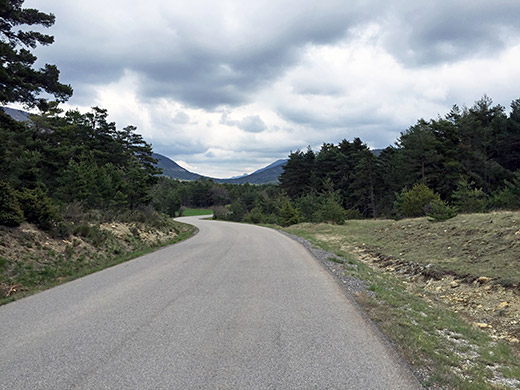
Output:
(487, 304)
(32, 259)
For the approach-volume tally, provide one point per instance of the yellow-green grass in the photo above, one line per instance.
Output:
(196, 212)
(469, 245)
(443, 348)
(39, 271)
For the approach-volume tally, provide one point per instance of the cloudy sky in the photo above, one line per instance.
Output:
(226, 87)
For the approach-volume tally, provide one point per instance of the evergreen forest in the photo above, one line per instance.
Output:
(54, 162)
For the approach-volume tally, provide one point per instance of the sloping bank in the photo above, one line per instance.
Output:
(32, 260)
(445, 293)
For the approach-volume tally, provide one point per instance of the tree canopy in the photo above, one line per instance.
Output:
(19, 81)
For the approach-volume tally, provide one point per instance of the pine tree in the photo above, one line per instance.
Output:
(19, 82)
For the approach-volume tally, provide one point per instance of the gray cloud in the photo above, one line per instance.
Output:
(294, 72)
(431, 32)
(250, 124)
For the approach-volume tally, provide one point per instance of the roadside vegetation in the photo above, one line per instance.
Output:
(32, 259)
(445, 293)
(194, 212)
(75, 190)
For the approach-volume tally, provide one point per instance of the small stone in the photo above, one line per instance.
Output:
(454, 284)
(482, 325)
(483, 279)
(502, 305)
(513, 340)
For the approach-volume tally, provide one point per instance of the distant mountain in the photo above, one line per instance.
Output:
(172, 169)
(268, 174)
(17, 115)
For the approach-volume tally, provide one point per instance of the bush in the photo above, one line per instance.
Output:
(237, 211)
(254, 216)
(353, 214)
(415, 202)
(38, 208)
(288, 215)
(469, 200)
(331, 211)
(507, 198)
(308, 206)
(440, 211)
(220, 212)
(10, 212)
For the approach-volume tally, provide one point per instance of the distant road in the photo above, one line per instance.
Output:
(235, 307)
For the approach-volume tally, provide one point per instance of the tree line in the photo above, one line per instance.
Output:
(469, 160)
(57, 158)
(466, 161)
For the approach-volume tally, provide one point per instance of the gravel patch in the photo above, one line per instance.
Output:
(335, 264)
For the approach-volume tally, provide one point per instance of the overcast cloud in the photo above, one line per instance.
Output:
(226, 87)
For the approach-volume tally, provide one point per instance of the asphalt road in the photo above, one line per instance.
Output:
(235, 307)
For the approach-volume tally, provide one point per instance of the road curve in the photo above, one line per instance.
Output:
(235, 307)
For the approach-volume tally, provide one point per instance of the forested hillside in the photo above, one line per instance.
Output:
(469, 158)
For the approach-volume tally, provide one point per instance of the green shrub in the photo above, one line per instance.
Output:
(469, 200)
(288, 214)
(254, 216)
(237, 211)
(38, 208)
(308, 206)
(415, 202)
(353, 214)
(439, 210)
(507, 198)
(11, 213)
(331, 211)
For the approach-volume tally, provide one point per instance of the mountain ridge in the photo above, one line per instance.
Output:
(266, 175)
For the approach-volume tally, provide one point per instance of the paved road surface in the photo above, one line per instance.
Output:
(235, 307)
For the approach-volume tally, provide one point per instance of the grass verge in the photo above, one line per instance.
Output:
(196, 212)
(444, 348)
(41, 262)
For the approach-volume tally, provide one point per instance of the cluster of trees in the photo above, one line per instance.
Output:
(54, 158)
(469, 159)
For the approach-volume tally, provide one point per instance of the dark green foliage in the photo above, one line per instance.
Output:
(288, 214)
(479, 144)
(469, 200)
(166, 197)
(255, 216)
(353, 214)
(331, 211)
(508, 196)
(10, 212)
(439, 210)
(415, 202)
(38, 208)
(75, 158)
(19, 82)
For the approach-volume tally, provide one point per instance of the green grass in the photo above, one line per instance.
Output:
(196, 212)
(469, 245)
(441, 346)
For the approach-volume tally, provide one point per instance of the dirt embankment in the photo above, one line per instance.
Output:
(31, 259)
(482, 300)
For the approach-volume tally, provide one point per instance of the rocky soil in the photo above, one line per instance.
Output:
(487, 304)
